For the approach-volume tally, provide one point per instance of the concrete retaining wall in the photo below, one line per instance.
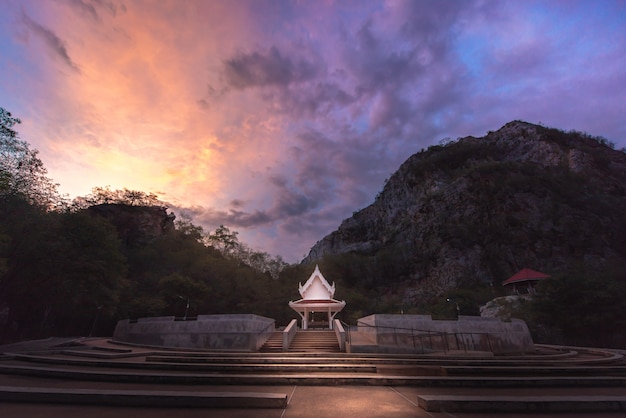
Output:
(214, 332)
(420, 333)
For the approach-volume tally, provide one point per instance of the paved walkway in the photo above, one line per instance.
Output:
(304, 402)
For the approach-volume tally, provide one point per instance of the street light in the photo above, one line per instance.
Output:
(95, 319)
(458, 310)
(186, 307)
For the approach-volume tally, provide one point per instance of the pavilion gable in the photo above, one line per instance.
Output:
(316, 287)
(317, 296)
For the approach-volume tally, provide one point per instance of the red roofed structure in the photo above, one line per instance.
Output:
(524, 281)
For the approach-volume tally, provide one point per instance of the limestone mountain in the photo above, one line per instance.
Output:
(476, 210)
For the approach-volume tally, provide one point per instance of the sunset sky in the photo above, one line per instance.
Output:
(279, 119)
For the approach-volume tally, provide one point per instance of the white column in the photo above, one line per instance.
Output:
(330, 319)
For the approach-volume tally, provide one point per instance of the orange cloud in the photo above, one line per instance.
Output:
(280, 118)
(132, 115)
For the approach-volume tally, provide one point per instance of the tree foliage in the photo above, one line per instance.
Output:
(583, 307)
(104, 195)
(21, 170)
(226, 242)
(61, 271)
(60, 267)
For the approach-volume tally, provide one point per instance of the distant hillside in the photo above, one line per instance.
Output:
(475, 211)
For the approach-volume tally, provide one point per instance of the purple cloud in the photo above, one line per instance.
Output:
(94, 8)
(271, 68)
(296, 112)
(51, 41)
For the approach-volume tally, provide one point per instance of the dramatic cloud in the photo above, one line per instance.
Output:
(94, 8)
(50, 39)
(258, 69)
(279, 119)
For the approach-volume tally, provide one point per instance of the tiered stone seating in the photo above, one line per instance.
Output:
(551, 370)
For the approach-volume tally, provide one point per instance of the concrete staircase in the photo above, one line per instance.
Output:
(304, 341)
(274, 343)
(320, 341)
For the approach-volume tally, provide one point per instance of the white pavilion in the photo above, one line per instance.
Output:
(317, 296)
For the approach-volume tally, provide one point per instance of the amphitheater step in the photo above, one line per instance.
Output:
(522, 404)
(143, 398)
(311, 378)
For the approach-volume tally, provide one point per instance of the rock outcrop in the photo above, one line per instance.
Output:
(136, 224)
(479, 209)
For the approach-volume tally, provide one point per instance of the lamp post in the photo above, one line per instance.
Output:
(186, 307)
(95, 319)
(458, 310)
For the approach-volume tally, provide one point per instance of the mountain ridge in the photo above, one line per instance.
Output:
(476, 210)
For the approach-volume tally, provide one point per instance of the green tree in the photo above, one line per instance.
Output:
(585, 306)
(182, 292)
(91, 271)
(21, 170)
(62, 268)
(224, 240)
(26, 231)
(184, 224)
(104, 195)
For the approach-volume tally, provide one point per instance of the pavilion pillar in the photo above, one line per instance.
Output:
(305, 319)
(330, 319)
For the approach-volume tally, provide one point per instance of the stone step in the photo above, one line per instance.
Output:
(536, 370)
(207, 365)
(143, 398)
(444, 360)
(112, 349)
(403, 365)
(522, 404)
(273, 344)
(100, 354)
(390, 366)
(315, 341)
(447, 360)
(313, 348)
(319, 378)
(278, 368)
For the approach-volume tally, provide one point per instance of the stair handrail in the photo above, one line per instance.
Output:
(289, 334)
(346, 327)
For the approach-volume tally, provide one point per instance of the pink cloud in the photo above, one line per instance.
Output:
(279, 118)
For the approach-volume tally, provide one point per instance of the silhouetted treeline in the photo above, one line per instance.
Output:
(76, 268)
(70, 273)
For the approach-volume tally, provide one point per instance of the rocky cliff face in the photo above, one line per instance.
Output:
(478, 209)
(136, 224)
